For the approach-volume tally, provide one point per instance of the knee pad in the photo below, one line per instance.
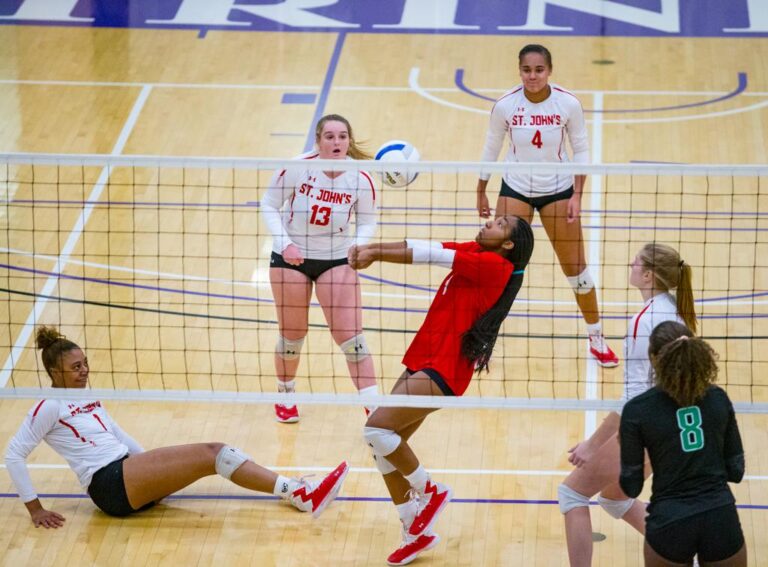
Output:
(288, 349)
(384, 466)
(229, 460)
(615, 508)
(583, 283)
(355, 349)
(382, 441)
(569, 499)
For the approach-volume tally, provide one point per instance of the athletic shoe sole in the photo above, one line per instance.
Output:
(334, 491)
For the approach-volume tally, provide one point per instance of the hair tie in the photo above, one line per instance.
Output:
(680, 265)
(682, 338)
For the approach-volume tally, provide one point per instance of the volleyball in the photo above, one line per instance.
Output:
(398, 150)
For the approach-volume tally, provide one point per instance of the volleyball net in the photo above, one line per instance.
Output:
(159, 269)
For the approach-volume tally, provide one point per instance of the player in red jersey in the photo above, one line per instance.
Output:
(455, 340)
(120, 477)
(538, 116)
(309, 213)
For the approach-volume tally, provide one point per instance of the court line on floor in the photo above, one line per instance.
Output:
(72, 239)
(251, 86)
(413, 81)
(325, 89)
(741, 86)
(265, 497)
(374, 470)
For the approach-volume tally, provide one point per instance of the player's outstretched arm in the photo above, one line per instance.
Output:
(360, 257)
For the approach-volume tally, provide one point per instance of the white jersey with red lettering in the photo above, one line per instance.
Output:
(638, 374)
(537, 133)
(82, 432)
(314, 211)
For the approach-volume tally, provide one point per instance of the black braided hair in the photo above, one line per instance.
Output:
(477, 343)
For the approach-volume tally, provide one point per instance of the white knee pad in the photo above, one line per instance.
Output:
(229, 460)
(288, 349)
(583, 283)
(569, 499)
(384, 466)
(616, 508)
(382, 441)
(355, 349)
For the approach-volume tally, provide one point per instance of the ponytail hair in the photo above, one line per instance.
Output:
(477, 343)
(53, 346)
(356, 151)
(685, 366)
(670, 271)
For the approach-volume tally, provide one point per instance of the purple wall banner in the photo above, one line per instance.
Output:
(672, 18)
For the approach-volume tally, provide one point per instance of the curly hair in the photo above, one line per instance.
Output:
(53, 346)
(685, 365)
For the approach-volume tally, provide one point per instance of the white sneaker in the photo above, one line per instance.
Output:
(315, 496)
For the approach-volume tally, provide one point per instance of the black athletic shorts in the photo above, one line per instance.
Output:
(537, 203)
(313, 269)
(107, 490)
(435, 376)
(714, 535)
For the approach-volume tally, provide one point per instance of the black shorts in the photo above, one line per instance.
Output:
(435, 376)
(537, 203)
(714, 535)
(313, 269)
(107, 490)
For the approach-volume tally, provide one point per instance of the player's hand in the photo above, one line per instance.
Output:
(47, 518)
(580, 454)
(292, 255)
(483, 208)
(574, 208)
(360, 257)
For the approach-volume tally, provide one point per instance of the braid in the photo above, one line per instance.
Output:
(477, 343)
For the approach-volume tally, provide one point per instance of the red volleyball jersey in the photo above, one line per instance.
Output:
(476, 281)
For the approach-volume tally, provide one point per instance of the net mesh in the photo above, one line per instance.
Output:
(159, 268)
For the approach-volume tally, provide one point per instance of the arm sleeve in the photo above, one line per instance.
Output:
(637, 365)
(494, 137)
(365, 211)
(279, 191)
(733, 450)
(133, 446)
(577, 135)
(427, 252)
(631, 477)
(29, 435)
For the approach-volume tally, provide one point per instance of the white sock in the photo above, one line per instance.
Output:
(285, 486)
(595, 328)
(418, 478)
(407, 512)
(369, 391)
(289, 386)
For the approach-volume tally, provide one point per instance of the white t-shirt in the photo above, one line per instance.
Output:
(82, 432)
(638, 374)
(314, 211)
(537, 133)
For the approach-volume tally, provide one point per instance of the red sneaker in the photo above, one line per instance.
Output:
(602, 352)
(411, 547)
(431, 503)
(286, 414)
(315, 496)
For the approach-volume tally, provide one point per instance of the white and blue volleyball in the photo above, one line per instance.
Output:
(398, 150)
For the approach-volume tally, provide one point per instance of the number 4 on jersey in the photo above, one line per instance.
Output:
(536, 140)
(691, 433)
